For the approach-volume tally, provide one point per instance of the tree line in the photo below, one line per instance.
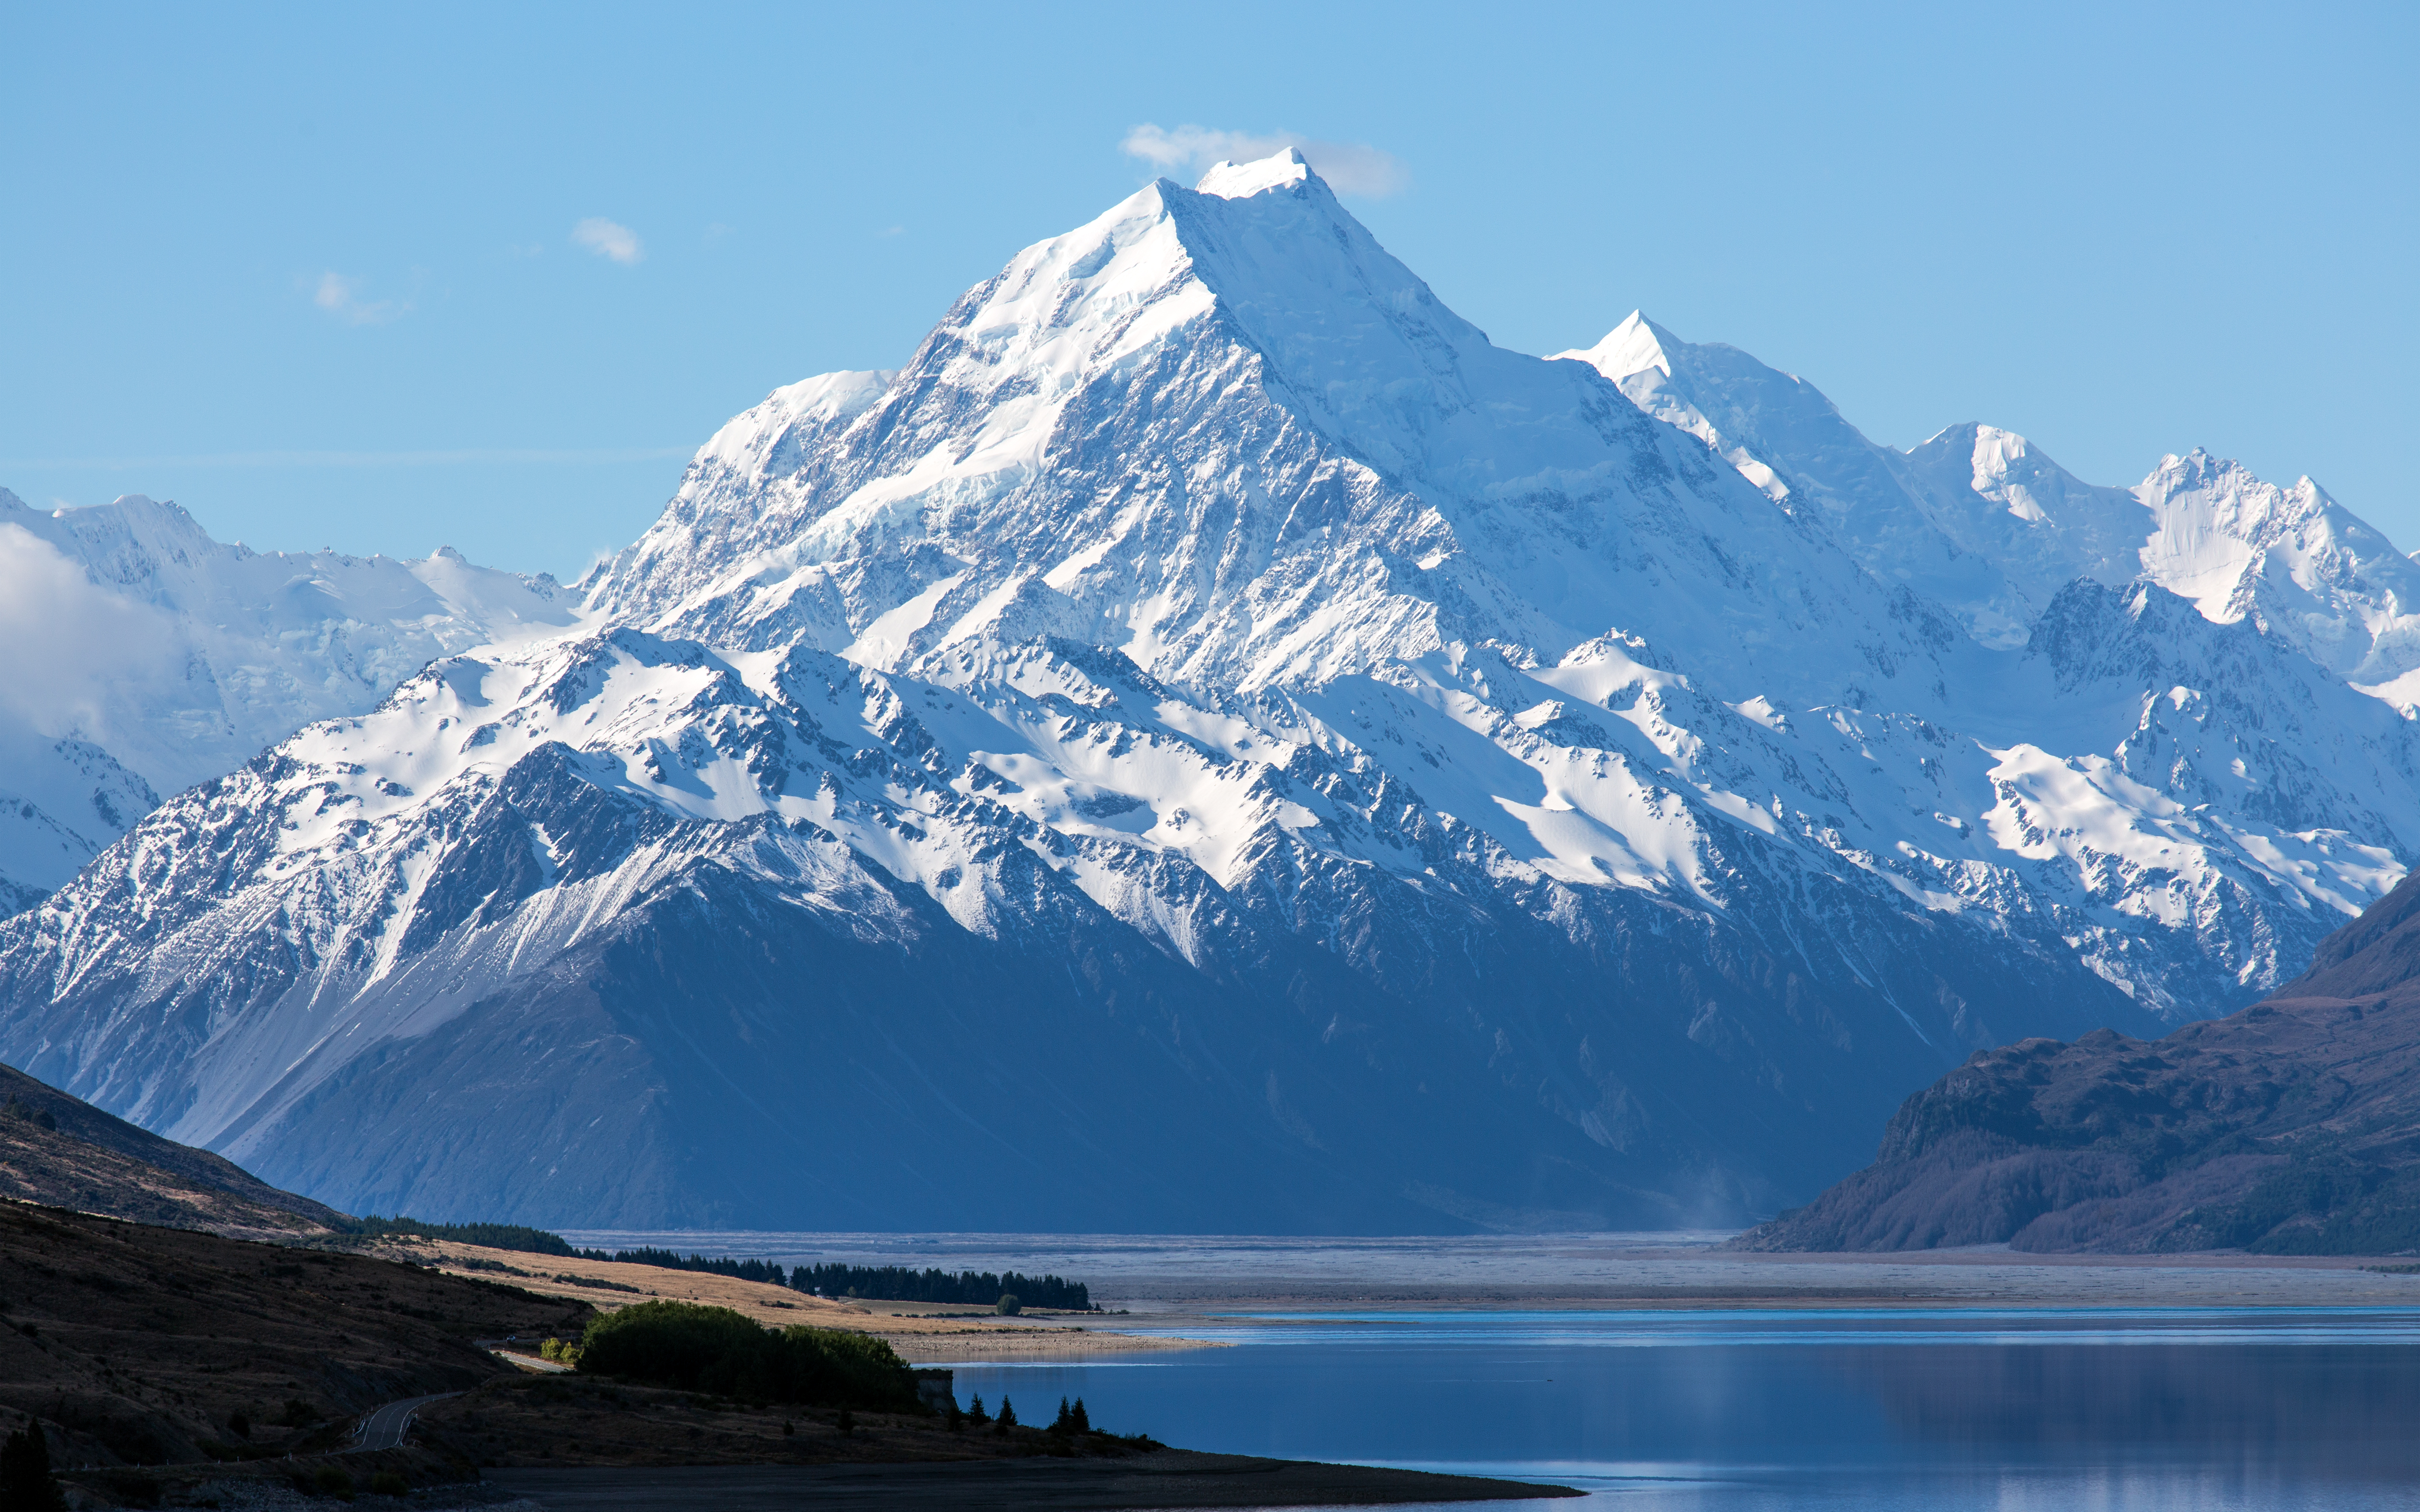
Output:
(977, 1288)
(874, 1283)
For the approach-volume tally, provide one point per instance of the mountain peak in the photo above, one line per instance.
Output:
(1242, 180)
(1633, 346)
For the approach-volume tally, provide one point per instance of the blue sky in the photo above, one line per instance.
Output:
(319, 272)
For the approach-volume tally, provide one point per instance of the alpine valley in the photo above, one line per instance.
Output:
(1213, 744)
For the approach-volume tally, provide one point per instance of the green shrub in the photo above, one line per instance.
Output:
(1008, 1306)
(387, 1483)
(690, 1347)
(330, 1481)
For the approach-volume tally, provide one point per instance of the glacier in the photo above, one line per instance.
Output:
(1213, 743)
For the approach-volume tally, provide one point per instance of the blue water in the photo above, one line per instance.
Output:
(2306, 1408)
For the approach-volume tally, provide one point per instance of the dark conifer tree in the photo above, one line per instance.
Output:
(25, 1481)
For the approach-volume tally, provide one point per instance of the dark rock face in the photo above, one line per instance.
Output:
(2290, 1128)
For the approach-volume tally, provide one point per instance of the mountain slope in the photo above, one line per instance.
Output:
(62, 1152)
(2285, 1129)
(1210, 742)
(153, 658)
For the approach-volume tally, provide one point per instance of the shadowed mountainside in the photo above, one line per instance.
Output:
(2290, 1128)
(63, 1153)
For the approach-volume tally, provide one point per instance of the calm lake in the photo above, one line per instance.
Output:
(2302, 1408)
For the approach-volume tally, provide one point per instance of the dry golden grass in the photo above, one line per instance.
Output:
(923, 1335)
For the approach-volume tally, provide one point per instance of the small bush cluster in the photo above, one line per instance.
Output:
(37, 1116)
(695, 1348)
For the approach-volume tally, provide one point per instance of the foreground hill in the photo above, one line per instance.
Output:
(1212, 742)
(63, 1153)
(142, 1346)
(2292, 1128)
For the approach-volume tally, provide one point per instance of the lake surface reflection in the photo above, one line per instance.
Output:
(2306, 1408)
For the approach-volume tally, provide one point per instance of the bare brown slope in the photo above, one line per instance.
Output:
(138, 1346)
(2292, 1127)
(58, 1170)
(192, 1169)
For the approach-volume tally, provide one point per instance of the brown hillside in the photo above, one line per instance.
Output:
(2290, 1128)
(62, 1151)
(138, 1345)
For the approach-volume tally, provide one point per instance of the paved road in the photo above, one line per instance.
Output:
(384, 1427)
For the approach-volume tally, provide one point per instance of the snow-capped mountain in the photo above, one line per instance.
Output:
(149, 657)
(1211, 742)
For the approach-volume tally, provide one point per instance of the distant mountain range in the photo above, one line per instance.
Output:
(1213, 743)
(2289, 1128)
(183, 659)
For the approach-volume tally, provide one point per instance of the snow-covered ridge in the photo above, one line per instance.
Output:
(147, 656)
(1979, 520)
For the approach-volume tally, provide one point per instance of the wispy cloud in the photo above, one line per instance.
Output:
(71, 641)
(342, 298)
(1349, 167)
(609, 238)
(475, 457)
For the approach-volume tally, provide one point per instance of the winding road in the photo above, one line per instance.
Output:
(385, 1426)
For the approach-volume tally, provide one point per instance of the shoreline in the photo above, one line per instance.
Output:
(1146, 1288)
(1698, 1279)
(1168, 1478)
(930, 1336)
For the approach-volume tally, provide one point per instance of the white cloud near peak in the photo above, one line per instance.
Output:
(342, 298)
(609, 238)
(1349, 167)
(70, 640)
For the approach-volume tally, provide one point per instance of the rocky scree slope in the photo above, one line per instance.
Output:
(2290, 1128)
(1211, 742)
(151, 657)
